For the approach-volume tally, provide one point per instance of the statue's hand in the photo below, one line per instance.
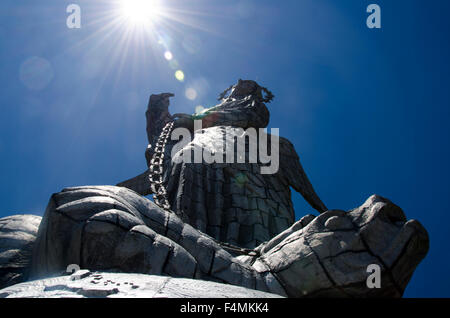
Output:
(181, 115)
(159, 101)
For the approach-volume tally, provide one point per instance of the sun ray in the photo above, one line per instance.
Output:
(146, 38)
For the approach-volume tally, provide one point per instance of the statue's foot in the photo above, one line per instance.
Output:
(332, 256)
(107, 228)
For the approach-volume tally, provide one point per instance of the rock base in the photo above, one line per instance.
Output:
(84, 284)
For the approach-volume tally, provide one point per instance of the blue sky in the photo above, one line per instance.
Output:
(367, 110)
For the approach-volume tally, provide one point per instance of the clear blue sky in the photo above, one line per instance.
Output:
(367, 110)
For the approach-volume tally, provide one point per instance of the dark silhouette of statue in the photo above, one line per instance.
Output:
(232, 202)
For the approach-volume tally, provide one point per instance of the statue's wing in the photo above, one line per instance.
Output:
(139, 184)
(292, 170)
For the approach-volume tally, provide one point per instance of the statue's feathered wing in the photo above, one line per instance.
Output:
(292, 170)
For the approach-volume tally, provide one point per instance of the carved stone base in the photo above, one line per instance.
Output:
(108, 228)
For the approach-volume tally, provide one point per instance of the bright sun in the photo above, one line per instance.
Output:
(140, 11)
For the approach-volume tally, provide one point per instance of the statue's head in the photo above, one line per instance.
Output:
(245, 88)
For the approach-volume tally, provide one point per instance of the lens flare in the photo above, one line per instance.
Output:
(191, 93)
(36, 73)
(168, 55)
(179, 75)
(199, 109)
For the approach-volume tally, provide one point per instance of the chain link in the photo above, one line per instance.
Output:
(156, 170)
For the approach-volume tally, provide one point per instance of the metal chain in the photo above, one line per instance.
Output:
(156, 168)
(239, 250)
